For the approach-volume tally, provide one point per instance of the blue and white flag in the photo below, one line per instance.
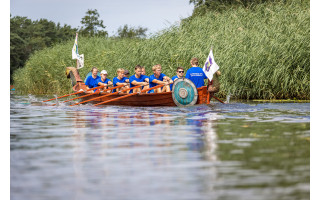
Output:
(210, 67)
(75, 54)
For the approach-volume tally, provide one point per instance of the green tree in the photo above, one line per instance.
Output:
(131, 32)
(92, 26)
(27, 36)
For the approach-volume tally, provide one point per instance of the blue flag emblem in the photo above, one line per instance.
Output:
(208, 64)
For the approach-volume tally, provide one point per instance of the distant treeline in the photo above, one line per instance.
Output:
(263, 53)
(28, 36)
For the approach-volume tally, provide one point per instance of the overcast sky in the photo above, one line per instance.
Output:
(152, 14)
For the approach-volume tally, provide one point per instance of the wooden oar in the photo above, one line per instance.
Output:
(128, 95)
(119, 86)
(73, 93)
(97, 92)
(217, 99)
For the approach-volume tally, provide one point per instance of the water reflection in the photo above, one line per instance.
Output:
(235, 151)
(165, 147)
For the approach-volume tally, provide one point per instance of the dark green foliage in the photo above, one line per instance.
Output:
(131, 32)
(27, 36)
(92, 24)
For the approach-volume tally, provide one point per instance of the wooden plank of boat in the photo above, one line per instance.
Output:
(151, 99)
(154, 99)
(129, 95)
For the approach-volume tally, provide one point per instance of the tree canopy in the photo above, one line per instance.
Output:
(131, 32)
(27, 36)
(92, 26)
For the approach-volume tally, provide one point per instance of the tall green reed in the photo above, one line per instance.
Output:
(263, 53)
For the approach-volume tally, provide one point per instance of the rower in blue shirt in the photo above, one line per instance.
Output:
(121, 80)
(196, 74)
(145, 77)
(159, 78)
(138, 79)
(143, 73)
(180, 72)
(104, 80)
(92, 81)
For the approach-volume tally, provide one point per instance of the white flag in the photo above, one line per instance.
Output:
(81, 61)
(210, 67)
(75, 54)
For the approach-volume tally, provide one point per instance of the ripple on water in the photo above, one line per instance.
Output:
(222, 151)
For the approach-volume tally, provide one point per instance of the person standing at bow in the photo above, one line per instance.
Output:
(180, 73)
(104, 80)
(158, 78)
(196, 74)
(138, 79)
(92, 81)
(121, 80)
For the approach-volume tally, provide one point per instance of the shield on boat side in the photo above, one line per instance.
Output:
(184, 92)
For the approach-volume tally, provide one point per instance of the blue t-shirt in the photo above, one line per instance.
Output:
(92, 82)
(145, 76)
(105, 81)
(173, 81)
(134, 78)
(116, 80)
(152, 77)
(196, 75)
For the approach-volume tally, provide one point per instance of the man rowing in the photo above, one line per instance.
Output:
(138, 79)
(104, 80)
(180, 72)
(92, 81)
(143, 73)
(121, 80)
(158, 78)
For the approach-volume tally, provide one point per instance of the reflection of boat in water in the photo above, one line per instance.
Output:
(184, 93)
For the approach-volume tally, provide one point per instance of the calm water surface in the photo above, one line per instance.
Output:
(221, 151)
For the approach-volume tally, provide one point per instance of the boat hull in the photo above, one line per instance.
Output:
(152, 99)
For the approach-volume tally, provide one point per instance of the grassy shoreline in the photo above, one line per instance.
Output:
(263, 53)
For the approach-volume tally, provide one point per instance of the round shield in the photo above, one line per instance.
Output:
(184, 92)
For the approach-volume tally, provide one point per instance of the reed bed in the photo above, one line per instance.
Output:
(263, 53)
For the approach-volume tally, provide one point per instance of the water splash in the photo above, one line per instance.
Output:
(57, 102)
(228, 98)
(32, 98)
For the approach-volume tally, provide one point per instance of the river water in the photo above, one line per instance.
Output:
(241, 150)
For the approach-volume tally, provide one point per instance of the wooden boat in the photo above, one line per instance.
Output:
(179, 96)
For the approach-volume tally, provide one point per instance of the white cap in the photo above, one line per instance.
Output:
(104, 72)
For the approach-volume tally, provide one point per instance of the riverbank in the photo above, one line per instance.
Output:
(263, 53)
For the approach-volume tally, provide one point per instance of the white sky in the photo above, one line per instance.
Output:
(152, 14)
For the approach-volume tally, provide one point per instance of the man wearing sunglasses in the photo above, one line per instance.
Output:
(180, 73)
